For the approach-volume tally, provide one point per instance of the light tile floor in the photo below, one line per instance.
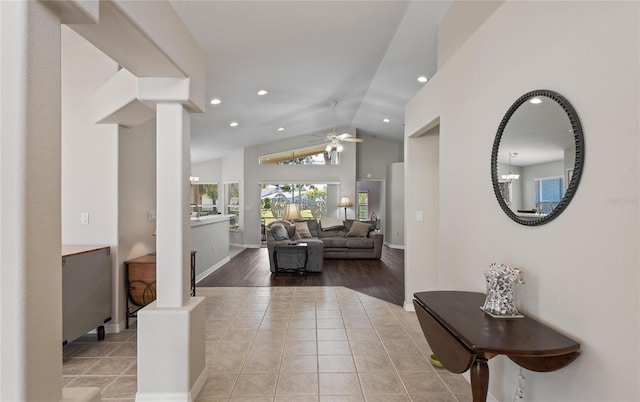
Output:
(322, 344)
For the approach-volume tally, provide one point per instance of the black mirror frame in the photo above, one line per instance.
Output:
(577, 168)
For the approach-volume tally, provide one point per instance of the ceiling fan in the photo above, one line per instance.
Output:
(334, 139)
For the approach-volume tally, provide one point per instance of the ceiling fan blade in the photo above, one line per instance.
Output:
(343, 136)
(352, 139)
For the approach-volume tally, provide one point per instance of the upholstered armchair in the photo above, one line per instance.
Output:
(284, 232)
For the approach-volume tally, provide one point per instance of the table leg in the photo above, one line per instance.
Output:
(479, 379)
(126, 284)
(193, 273)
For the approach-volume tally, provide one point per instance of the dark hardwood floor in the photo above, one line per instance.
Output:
(382, 278)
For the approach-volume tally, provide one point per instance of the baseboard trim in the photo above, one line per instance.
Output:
(252, 246)
(81, 394)
(247, 245)
(394, 246)
(212, 269)
(199, 384)
(115, 327)
(177, 396)
(467, 376)
(408, 306)
(161, 397)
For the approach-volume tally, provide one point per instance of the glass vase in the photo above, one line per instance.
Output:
(502, 281)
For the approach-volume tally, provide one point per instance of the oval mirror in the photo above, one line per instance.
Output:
(537, 157)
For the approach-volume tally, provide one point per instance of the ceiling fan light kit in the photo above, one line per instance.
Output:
(334, 139)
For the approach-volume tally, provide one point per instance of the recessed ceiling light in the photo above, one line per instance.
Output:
(281, 129)
(262, 92)
(535, 101)
(233, 124)
(423, 79)
(216, 101)
(386, 120)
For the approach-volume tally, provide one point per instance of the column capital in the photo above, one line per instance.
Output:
(153, 90)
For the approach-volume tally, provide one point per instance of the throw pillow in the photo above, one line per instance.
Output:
(359, 229)
(279, 232)
(303, 230)
(331, 223)
(349, 222)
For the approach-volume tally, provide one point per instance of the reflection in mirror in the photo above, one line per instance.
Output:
(537, 157)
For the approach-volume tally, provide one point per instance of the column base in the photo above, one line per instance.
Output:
(86, 394)
(171, 352)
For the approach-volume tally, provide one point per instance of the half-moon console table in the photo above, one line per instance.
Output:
(464, 337)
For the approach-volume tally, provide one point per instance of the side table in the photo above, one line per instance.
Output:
(290, 258)
(140, 277)
(464, 337)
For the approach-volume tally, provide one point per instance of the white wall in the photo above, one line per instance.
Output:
(89, 160)
(89, 151)
(460, 22)
(394, 228)
(581, 269)
(422, 194)
(209, 172)
(211, 243)
(374, 155)
(136, 197)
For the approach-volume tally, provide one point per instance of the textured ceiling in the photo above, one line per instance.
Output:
(365, 55)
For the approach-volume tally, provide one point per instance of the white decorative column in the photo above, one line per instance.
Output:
(171, 331)
(30, 188)
(172, 204)
(30, 228)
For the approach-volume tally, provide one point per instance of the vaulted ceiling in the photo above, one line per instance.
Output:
(364, 55)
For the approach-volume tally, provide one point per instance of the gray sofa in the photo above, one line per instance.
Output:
(338, 241)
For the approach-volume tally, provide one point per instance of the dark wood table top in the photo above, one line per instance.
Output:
(145, 259)
(461, 314)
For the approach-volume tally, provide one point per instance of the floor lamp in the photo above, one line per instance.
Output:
(345, 202)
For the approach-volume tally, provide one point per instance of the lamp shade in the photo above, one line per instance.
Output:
(291, 212)
(345, 202)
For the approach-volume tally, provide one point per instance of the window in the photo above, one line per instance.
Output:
(549, 189)
(232, 204)
(363, 205)
(204, 199)
(314, 155)
(312, 199)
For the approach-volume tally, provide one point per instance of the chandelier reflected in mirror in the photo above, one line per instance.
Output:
(508, 178)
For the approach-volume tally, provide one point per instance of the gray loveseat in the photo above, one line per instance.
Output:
(351, 239)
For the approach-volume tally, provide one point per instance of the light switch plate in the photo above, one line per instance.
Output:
(84, 218)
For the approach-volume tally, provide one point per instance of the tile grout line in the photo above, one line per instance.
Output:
(345, 300)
